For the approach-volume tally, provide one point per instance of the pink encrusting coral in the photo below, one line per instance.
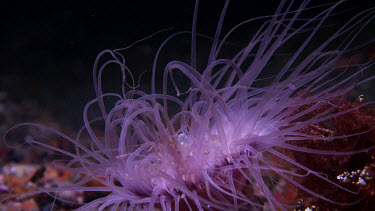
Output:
(230, 131)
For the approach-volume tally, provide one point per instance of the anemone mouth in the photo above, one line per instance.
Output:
(241, 135)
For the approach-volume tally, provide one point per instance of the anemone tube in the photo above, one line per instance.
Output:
(231, 126)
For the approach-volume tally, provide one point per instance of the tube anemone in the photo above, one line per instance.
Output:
(233, 132)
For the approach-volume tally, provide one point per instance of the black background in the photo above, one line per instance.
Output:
(47, 48)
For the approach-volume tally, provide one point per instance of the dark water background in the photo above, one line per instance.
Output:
(48, 47)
